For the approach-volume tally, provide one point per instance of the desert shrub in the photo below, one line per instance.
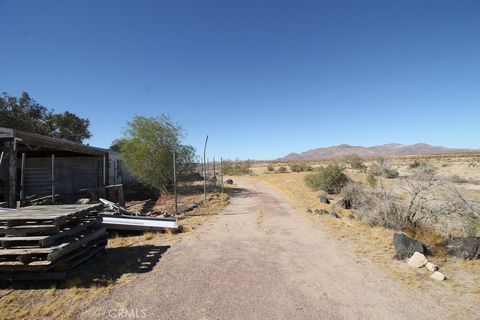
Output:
(330, 179)
(371, 180)
(383, 168)
(355, 194)
(390, 173)
(355, 162)
(237, 168)
(416, 164)
(457, 179)
(300, 167)
(382, 209)
(282, 169)
(270, 168)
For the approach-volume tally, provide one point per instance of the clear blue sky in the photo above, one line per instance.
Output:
(262, 78)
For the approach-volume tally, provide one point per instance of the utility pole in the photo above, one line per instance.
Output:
(205, 170)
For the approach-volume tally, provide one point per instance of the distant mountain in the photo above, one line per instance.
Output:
(390, 149)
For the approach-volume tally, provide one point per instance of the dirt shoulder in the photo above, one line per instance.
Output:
(261, 258)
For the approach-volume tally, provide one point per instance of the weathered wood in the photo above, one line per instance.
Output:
(29, 230)
(76, 243)
(38, 213)
(10, 147)
(46, 240)
(54, 252)
(22, 182)
(78, 256)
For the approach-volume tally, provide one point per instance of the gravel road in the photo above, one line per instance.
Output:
(261, 259)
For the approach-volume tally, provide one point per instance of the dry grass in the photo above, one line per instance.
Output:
(126, 254)
(460, 293)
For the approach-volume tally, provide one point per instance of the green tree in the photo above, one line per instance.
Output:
(69, 126)
(147, 148)
(25, 114)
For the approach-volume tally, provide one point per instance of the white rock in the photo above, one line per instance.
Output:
(418, 260)
(437, 275)
(431, 267)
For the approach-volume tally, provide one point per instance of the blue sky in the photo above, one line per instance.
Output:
(262, 78)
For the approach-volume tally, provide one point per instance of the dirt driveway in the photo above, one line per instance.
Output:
(262, 259)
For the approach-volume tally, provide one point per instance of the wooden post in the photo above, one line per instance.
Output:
(53, 179)
(12, 173)
(22, 182)
(205, 171)
(214, 177)
(175, 182)
(104, 173)
(221, 173)
(121, 197)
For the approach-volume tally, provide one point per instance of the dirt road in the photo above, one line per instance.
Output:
(261, 259)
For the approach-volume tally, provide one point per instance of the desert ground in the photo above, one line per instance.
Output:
(264, 256)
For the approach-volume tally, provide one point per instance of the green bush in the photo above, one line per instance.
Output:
(300, 167)
(355, 162)
(237, 168)
(330, 179)
(371, 180)
(282, 169)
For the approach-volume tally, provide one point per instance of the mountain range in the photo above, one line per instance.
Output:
(391, 149)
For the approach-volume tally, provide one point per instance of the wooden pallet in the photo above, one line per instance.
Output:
(52, 253)
(66, 262)
(44, 215)
(40, 241)
(43, 242)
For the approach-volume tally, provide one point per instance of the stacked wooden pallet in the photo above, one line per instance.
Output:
(43, 242)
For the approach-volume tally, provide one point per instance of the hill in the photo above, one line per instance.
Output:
(390, 149)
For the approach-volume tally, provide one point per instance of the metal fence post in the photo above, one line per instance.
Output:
(53, 179)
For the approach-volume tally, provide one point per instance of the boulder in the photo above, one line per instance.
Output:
(229, 181)
(466, 248)
(324, 199)
(431, 267)
(334, 214)
(344, 204)
(405, 246)
(437, 275)
(418, 260)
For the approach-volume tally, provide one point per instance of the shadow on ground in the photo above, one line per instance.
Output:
(103, 269)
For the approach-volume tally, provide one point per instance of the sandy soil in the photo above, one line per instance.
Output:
(262, 259)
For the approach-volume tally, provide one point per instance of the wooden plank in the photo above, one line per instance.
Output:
(47, 240)
(57, 251)
(78, 256)
(17, 266)
(29, 230)
(69, 247)
(10, 147)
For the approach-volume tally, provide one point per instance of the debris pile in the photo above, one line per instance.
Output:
(43, 242)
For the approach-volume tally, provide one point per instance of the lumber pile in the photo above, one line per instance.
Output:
(44, 242)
